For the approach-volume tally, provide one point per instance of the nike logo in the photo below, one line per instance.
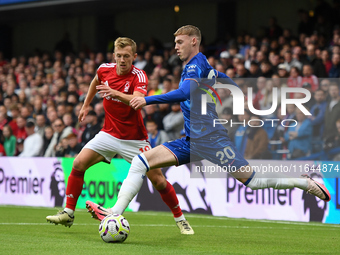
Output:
(326, 195)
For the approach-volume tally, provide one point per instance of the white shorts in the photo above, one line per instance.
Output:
(108, 146)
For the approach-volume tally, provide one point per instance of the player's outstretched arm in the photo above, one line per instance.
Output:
(178, 95)
(90, 95)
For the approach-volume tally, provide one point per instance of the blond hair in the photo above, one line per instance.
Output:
(190, 31)
(122, 42)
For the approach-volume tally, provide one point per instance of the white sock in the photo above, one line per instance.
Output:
(179, 218)
(132, 184)
(280, 182)
(69, 211)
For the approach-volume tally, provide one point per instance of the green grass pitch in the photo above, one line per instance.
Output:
(24, 230)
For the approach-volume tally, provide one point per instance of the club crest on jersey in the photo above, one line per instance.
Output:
(127, 86)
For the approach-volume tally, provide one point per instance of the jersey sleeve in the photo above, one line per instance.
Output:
(179, 95)
(193, 73)
(142, 82)
(100, 73)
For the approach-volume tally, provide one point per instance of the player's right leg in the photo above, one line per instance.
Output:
(82, 162)
(154, 158)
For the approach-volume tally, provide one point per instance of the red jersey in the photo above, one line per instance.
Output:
(121, 121)
(313, 80)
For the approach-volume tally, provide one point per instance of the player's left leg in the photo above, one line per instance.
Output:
(168, 195)
(281, 181)
(223, 152)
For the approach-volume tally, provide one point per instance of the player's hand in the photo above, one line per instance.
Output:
(137, 102)
(83, 112)
(106, 91)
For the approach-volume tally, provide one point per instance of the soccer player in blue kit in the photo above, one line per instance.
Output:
(203, 140)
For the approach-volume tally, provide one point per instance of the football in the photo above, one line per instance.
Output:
(114, 228)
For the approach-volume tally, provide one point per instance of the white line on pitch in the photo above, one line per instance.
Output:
(161, 225)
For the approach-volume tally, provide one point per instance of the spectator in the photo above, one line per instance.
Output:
(68, 120)
(299, 137)
(282, 71)
(99, 110)
(48, 133)
(92, 128)
(260, 57)
(266, 69)
(324, 85)
(73, 147)
(318, 113)
(290, 61)
(40, 124)
(326, 61)
(60, 132)
(37, 105)
(309, 77)
(294, 80)
(274, 60)
(21, 133)
(156, 136)
(51, 114)
(251, 57)
(33, 143)
(15, 114)
(61, 110)
(311, 102)
(225, 59)
(257, 142)
(10, 141)
(254, 70)
(314, 62)
(152, 113)
(334, 72)
(153, 86)
(230, 72)
(332, 112)
(61, 147)
(241, 71)
(173, 122)
(260, 91)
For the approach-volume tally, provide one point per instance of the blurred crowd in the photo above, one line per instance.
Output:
(41, 95)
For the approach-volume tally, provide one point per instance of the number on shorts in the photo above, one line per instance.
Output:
(228, 152)
(146, 148)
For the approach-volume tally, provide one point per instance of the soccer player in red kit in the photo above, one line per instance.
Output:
(123, 133)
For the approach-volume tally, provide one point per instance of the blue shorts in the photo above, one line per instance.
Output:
(215, 147)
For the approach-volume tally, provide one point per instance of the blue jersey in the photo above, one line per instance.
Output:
(198, 77)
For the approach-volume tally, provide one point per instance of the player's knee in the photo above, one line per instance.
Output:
(79, 164)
